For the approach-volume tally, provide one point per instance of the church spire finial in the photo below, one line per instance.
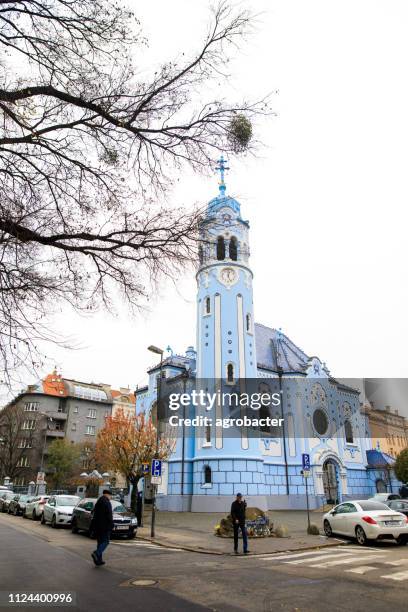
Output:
(221, 167)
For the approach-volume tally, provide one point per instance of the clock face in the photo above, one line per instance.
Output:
(228, 276)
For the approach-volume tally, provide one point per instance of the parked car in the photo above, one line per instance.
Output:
(58, 510)
(366, 520)
(18, 504)
(384, 498)
(5, 499)
(399, 505)
(35, 507)
(125, 522)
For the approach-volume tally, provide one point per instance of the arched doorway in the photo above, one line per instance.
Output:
(331, 481)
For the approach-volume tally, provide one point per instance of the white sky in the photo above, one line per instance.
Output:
(326, 198)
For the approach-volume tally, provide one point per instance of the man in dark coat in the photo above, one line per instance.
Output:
(102, 524)
(238, 508)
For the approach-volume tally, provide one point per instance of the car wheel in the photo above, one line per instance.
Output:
(402, 540)
(132, 535)
(15, 511)
(361, 536)
(43, 521)
(54, 522)
(74, 528)
(327, 529)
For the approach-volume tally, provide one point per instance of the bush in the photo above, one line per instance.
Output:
(281, 531)
(313, 529)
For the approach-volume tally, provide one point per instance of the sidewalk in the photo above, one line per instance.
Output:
(195, 531)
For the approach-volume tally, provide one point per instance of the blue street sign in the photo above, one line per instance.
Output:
(306, 461)
(145, 468)
(156, 467)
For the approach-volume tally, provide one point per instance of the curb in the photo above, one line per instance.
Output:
(209, 551)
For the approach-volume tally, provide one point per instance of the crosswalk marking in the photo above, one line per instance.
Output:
(319, 558)
(345, 561)
(142, 544)
(397, 563)
(278, 557)
(397, 576)
(362, 569)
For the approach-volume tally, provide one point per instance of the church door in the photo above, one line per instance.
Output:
(330, 482)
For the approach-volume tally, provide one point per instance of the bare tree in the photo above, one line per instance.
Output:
(16, 441)
(87, 152)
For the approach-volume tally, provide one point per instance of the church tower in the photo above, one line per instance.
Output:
(225, 319)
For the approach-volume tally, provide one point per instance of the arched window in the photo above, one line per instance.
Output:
(230, 373)
(207, 305)
(348, 430)
(200, 254)
(207, 475)
(233, 249)
(248, 323)
(220, 248)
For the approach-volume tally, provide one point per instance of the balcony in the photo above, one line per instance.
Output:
(55, 433)
(57, 416)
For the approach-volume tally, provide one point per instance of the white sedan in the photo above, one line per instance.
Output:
(366, 520)
(58, 510)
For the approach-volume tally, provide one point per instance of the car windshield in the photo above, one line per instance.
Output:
(8, 495)
(400, 505)
(117, 507)
(372, 505)
(67, 501)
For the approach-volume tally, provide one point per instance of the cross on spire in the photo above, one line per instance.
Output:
(221, 167)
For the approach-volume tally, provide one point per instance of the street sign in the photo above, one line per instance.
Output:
(145, 468)
(156, 480)
(40, 478)
(305, 473)
(156, 468)
(306, 462)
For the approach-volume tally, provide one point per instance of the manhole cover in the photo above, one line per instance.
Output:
(143, 583)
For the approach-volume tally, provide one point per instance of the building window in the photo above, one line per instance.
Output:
(207, 305)
(31, 406)
(230, 373)
(24, 443)
(92, 413)
(61, 408)
(23, 462)
(207, 475)
(90, 430)
(248, 319)
(30, 424)
(76, 409)
(348, 430)
(73, 427)
(233, 249)
(86, 464)
(320, 422)
(220, 248)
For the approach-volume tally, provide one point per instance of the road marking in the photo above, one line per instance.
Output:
(397, 563)
(363, 569)
(278, 557)
(146, 545)
(398, 576)
(319, 558)
(344, 561)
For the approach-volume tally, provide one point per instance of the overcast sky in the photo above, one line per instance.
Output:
(326, 198)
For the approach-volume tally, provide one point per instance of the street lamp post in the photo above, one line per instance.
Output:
(158, 351)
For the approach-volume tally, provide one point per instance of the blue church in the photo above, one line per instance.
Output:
(321, 415)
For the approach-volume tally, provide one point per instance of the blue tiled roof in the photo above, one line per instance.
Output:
(376, 458)
(274, 350)
(220, 201)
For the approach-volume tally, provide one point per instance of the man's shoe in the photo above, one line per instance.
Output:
(95, 558)
(236, 552)
(246, 552)
(101, 562)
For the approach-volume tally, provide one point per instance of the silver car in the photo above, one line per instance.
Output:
(35, 507)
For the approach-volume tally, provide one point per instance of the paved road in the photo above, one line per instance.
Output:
(344, 578)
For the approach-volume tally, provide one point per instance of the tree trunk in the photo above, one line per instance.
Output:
(133, 498)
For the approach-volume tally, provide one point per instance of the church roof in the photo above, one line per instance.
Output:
(378, 459)
(274, 350)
